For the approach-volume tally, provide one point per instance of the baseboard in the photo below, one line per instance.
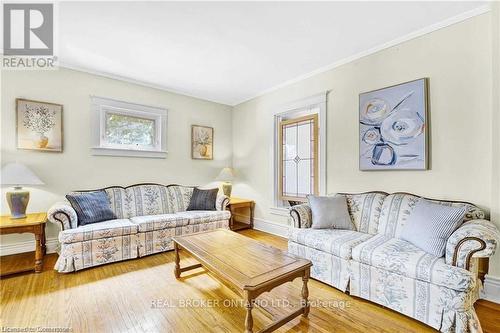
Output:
(27, 246)
(278, 229)
(491, 290)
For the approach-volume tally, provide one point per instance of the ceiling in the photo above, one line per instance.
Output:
(231, 52)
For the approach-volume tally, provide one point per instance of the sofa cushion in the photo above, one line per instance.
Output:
(398, 207)
(179, 198)
(403, 258)
(205, 216)
(157, 222)
(147, 199)
(118, 201)
(364, 210)
(105, 229)
(334, 241)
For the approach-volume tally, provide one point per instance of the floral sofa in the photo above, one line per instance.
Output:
(148, 216)
(372, 262)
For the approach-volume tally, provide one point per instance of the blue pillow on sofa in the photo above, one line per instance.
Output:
(431, 224)
(91, 207)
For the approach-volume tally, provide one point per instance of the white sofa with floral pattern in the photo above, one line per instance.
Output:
(148, 216)
(372, 262)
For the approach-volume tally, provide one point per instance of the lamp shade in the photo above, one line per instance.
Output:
(226, 175)
(18, 174)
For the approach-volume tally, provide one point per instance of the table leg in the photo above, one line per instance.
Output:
(44, 240)
(251, 215)
(305, 293)
(177, 270)
(248, 319)
(38, 251)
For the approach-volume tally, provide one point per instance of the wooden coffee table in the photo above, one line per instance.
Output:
(246, 266)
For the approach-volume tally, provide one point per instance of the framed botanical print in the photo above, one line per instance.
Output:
(393, 127)
(202, 139)
(39, 125)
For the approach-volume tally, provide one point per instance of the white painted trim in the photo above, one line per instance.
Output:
(98, 108)
(278, 229)
(137, 82)
(421, 32)
(27, 246)
(412, 35)
(491, 290)
(280, 211)
(301, 107)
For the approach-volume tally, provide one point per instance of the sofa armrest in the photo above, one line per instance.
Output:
(475, 238)
(222, 202)
(301, 216)
(63, 215)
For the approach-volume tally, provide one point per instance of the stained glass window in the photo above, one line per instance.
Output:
(298, 158)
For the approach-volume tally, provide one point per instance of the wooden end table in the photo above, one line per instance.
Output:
(236, 204)
(252, 269)
(32, 223)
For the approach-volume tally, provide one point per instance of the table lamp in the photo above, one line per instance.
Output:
(226, 176)
(17, 174)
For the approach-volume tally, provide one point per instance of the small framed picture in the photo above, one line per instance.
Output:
(202, 139)
(39, 125)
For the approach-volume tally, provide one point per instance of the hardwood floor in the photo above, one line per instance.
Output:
(143, 295)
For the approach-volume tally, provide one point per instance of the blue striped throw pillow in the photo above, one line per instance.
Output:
(91, 207)
(431, 224)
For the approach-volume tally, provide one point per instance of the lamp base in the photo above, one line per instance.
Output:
(226, 188)
(18, 201)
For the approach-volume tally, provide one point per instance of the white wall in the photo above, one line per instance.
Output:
(495, 187)
(76, 168)
(457, 61)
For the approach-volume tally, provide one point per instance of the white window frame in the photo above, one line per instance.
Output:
(101, 106)
(303, 107)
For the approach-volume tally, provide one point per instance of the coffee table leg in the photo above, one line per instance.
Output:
(305, 293)
(248, 319)
(177, 270)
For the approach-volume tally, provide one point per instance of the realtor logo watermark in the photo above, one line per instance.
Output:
(28, 36)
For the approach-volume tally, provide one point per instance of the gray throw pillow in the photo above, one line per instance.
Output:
(203, 199)
(91, 207)
(330, 212)
(431, 224)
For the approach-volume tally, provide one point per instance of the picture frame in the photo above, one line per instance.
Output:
(393, 127)
(202, 139)
(39, 125)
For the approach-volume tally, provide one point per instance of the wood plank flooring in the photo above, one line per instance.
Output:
(142, 295)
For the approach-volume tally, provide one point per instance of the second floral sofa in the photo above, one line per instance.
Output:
(147, 217)
(374, 263)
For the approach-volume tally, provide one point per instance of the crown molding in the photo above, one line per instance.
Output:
(66, 65)
(415, 34)
(418, 33)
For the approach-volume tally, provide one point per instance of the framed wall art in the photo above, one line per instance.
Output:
(202, 138)
(39, 125)
(393, 127)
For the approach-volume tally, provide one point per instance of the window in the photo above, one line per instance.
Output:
(299, 152)
(298, 173)
(127, 129)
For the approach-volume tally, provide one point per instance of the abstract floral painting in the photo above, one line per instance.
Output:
(39, 125)
(202, 139)
(392, 127)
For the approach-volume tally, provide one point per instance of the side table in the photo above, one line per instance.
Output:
(236, 206)
(32, 223)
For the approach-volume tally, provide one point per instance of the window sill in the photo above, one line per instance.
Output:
(101, 151)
